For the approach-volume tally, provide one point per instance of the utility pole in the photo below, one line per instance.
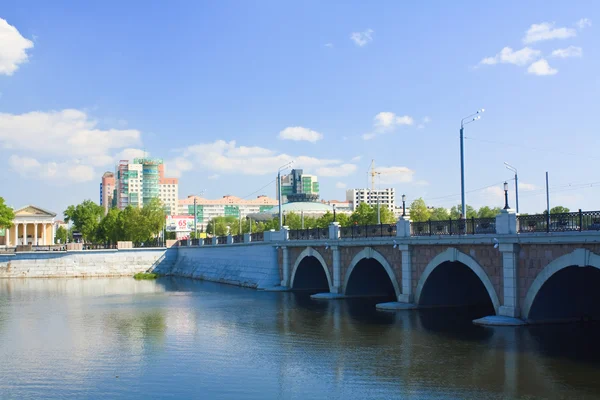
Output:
(474, 117)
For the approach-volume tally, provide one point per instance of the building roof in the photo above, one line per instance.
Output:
(33, 210)
(307, 207)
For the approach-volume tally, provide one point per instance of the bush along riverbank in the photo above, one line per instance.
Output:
(145, 275)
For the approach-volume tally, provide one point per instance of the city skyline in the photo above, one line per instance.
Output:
(226, 107)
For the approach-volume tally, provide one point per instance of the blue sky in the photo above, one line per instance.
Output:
(226, 92)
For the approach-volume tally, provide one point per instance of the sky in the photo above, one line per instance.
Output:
(227, 92)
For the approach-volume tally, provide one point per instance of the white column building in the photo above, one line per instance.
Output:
(32, 225)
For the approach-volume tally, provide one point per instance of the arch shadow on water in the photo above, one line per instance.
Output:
(370, 279)
(454, 285)
(310, 276)
(367, 285)
(570, 294)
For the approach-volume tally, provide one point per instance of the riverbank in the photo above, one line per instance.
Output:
(88, 263)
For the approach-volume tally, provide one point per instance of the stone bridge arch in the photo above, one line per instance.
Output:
(370, 253)
(454, 255)
(578, 258)
(310, 252)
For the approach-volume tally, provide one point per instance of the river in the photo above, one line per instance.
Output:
(117, 338)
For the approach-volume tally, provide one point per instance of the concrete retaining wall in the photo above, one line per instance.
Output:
(88, 263)
(243, 265)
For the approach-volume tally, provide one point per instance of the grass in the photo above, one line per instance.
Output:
(145, 275)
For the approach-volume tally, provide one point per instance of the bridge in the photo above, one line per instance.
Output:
(519, 269)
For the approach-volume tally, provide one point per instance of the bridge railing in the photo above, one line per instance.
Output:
(208, 240)
(238, 239)
(367, 231)
(257, 237)
(471, 226)
(309, 234)
(563, 222)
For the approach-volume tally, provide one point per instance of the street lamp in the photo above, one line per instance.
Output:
(404, 205)
(506, 207)
(513, 169)
(279, 190)
(471, 118)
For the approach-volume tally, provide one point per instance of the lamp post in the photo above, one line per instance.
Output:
(334, 213)
(506, 207)
(404, 205)
(472, 118)
(513, 169)
(279, 191)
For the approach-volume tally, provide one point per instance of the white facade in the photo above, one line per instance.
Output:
(385, 197)
(169, 195)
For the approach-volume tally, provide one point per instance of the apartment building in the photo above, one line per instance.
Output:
(226, 206)
(383, 197)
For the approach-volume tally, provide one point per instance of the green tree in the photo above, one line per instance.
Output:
(487, 212)
(439, 214)
(153, 218)
(219, 226)
(86, 218)
(293, 220)
(61, 235)
(6, 215)
(557, 210)
(129, 225)
(363, 215)
(109, 229)
(455, 212)
(419, 211)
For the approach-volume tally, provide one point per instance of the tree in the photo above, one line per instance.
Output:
(153, 218)
(109, 230)
(86, 218)
(61, 235)
(6, 215)
(455, 212)
(363, 215)
(419, 211)
(439, 214)
(557, 210)
(219, 226)
(487, 212)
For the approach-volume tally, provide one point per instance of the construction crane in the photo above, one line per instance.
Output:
(373, 173)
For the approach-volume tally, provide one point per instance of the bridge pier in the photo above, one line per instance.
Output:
(405, 299)
(285, 282)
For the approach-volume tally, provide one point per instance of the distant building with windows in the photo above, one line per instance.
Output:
(136, 183)
(383, 197)
(226, 206)
(107, 191)
(298, 187)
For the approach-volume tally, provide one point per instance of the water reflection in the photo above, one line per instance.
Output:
(180, 338)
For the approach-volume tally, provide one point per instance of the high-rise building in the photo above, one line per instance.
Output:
(107, 190)
(383, 197)
(298, 187)
(143, 180)
(226, 206)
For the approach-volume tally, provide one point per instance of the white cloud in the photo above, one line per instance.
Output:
(356, 159)
(61, 173)
(130, 154)
(541, 68)
(394, 175)
(13, 48)
(362, 38)
(68, 132)
(509, 56)
(214, 177)
(226, 157)
(547, 31)
(527, 187)
(341, 185)
(386, 122)
(571, 51)
(338, 170)
(426, 120)
(494, 192)
(299, 133)
(583, 23)
(330, 45)
(67, 145)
